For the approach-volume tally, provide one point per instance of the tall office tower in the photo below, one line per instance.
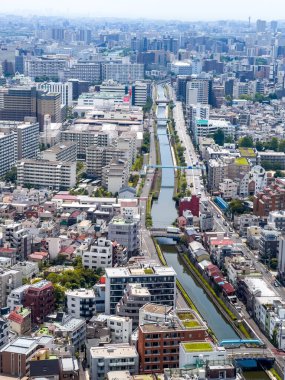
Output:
(170, 44)
(57, 34)
(84, 35)
(65, 90)
(78, 87)
(20, 55)
(260, 26)
(48, 103)
(16, 103)
(197, 91)
(273, 26)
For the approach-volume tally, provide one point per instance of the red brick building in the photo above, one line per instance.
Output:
(161, 332)
(40, 299)
(271, 198)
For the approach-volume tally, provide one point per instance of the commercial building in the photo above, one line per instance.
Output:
(17, 103)
(271, 158)
(7, 152)
(40, 298)
(49, 103)
(140, 93)
(48, 174)
(160, 281)
(268, 244)
(81, 303)
(64, 89)
(197, 91)
(113, 357)
(66, 151)
(159, 341)
(228, 189)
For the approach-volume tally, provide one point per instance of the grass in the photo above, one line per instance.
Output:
(275, 374)
(198, 347)
(190, 324)
(148, 218)
(159, 252)
(185, 316)
(207, 285)
(243, 330)
(248, 152)
(241, 161)
(148, 271)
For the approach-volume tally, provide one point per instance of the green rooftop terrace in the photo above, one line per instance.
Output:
(188, 320)
(242, 161)
(198, 347)
(247, 152)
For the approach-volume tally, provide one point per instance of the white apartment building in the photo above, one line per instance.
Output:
(16, 296)
(197, 111)
(123, 72)
(64, 89)
(128, 141)
(7, 152)
(84, 137)
(253, 182)
(98, 254)
(192, 358)
(28, 269)
(115, 357)
(115, 175)
(276, 219)
(27, 140)
(15, 236)
(204, 128)
(65, 151)
(9, 280)
(49, 174)
(217, 171)
(125, 231)
(228, 188)
(120, 327)
(87, 71)
(181, 67)
(159, 280)
(81, 303)
(97, 157)
(45, 67)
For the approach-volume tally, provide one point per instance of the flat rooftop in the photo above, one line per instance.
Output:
(113, 351)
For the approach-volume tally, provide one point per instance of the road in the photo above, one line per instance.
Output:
(193, 177)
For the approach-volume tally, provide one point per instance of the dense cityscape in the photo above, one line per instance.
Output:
(142, 199)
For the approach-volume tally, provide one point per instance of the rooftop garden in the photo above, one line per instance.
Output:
(188, 320)
(148, 271)
(247, 152)
(241, 161)
(198, 347)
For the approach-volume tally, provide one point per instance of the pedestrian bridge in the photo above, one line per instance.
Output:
(162, 232)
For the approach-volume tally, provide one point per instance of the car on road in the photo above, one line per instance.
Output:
(276, 284)
(230, 229)
(224, 223)
(218, 215)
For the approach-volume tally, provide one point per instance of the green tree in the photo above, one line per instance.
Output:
(236, 206)
(273, 144)
(246, 142)
(278, 174)
(281, 146)
(219, 137)
(259, 146)
(11, 175)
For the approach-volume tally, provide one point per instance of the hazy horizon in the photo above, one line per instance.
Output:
(148, 9)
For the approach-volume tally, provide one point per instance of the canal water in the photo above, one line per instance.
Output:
(163, 214)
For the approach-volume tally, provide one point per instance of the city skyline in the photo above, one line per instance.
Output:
(149, 10)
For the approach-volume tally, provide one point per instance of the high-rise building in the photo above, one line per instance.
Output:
(260, 26)
(16, 103)
(123, 72)
(49, 103)
(197, 91)
(64, 89)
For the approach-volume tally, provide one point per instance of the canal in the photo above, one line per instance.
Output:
(163, 214)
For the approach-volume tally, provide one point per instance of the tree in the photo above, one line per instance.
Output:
(259, 146)
(11, 175)
(236, 206)
(219, 137)
(246, 142)
(278, 174)
(273, 264)
(273, 144)
(281, 146)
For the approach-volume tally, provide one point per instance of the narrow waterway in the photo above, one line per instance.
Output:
(163, 215)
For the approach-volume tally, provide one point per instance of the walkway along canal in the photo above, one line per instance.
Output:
(163, 214)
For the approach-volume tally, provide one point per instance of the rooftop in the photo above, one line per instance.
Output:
(247, 152)
(241, 161)
(197, 347)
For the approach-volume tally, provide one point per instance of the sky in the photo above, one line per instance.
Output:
(184, 10)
